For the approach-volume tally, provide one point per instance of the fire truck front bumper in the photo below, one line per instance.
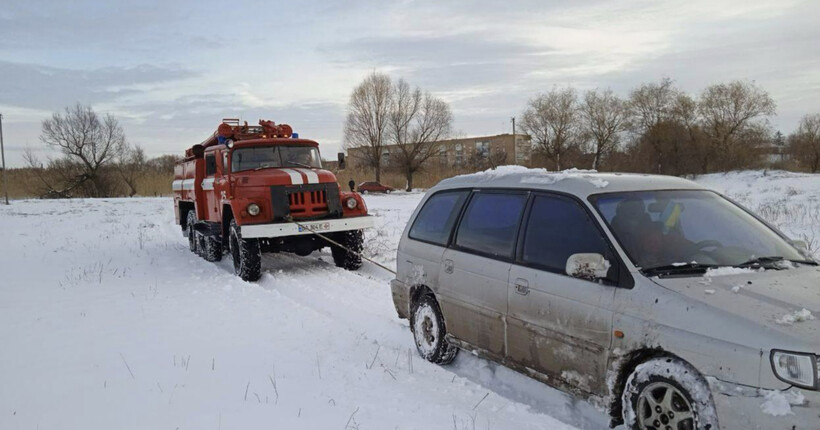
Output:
(305, 227)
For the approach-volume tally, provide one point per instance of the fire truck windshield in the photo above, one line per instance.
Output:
(263, 157)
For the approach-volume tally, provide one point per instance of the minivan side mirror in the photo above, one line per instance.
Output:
(588, 266)
(341, 158)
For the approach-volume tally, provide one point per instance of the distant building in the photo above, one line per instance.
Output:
(496, 150)
(773, 154)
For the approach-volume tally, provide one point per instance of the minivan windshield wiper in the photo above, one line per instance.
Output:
(678, 269)
(771, 262)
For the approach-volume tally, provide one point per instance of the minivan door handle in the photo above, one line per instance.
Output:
(448, 266)
(522, 286)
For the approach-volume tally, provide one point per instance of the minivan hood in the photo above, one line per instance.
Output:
(774, 298)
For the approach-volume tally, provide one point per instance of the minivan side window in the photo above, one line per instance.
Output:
(436, 219)
(490, 223)
(558, 227)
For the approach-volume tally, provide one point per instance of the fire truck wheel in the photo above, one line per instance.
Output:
(345, 259)
(192, 239)
(212, 251)
(246, 255)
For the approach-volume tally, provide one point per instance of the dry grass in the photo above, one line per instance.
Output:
(24, 184)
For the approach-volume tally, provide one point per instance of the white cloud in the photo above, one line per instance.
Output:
(171, 71)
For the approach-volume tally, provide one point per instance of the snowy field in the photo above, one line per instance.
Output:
(107, 321)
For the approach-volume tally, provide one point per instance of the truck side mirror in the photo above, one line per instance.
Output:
(587, 266)
(341, 157)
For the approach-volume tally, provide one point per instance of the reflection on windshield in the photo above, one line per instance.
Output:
(669, 228)
(261, 157)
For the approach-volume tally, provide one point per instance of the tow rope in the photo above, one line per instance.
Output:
(333, 242)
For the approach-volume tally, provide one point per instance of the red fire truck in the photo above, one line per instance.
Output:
(253, 189)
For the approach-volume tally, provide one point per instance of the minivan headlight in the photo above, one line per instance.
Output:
(796, 369)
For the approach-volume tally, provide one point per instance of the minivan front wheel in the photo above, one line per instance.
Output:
(428, 328)
(668, 394)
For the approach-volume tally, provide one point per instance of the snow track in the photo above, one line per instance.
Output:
(108, 321)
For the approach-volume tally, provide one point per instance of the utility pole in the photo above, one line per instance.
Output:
(513, 122)
(3, 156)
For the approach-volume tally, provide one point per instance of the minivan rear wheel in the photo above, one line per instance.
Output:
(429, 332)
(668, 394)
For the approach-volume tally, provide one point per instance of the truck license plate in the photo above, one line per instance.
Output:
(315, 227)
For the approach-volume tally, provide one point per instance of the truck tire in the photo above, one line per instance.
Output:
(429, 331)
(246, 255)
(666, 392)
(353, 240)
(193, 241)
(212, 250)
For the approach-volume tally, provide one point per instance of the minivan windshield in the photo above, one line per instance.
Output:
(262, 157)
(689, 229)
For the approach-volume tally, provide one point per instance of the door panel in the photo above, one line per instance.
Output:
(558, 324)
(208, 188)
(473, 298)
(561, 326)
(475, 271)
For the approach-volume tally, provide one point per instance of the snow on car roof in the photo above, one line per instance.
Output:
(574, 181)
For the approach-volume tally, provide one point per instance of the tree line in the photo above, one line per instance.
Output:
(656, 128)
(663, 129)
(382, 112)
(95, 160)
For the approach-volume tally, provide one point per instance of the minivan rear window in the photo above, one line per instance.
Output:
(436, 219)
(490, 223)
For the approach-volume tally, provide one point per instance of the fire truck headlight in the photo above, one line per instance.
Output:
(253, 209)
(352, 203)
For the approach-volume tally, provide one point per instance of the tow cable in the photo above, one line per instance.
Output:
(333, 242)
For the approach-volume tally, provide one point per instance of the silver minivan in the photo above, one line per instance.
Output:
(664, 302)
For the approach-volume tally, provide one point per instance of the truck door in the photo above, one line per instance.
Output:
(557, 324)
(211, 198)
(221, 181)
(473, 277)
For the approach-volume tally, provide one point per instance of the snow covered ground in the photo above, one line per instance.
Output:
(791, 201)
(107, 321)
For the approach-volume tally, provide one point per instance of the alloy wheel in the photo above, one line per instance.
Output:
(662, 406)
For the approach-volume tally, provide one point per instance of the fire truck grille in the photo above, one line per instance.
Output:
(312, 198)
(306, 201)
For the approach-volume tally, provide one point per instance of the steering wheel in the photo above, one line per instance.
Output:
(707, 244)
(696, 252)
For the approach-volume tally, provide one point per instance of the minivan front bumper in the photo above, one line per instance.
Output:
(742, 408)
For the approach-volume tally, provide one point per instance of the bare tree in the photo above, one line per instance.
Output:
(131, 166)
(417, 121)
(553, 121)
(727, 110)
(85, 140)
(804, 144)
(651, 105)
(604, 117)
(368, 118)
(685, 114)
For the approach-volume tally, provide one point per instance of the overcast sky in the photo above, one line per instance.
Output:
(171, 70)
